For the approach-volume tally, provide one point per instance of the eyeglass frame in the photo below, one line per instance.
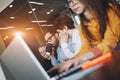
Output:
(69, 2)
(47, 41)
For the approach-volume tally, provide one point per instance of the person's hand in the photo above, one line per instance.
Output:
(42, 51)
(64, 66)
(63, 36)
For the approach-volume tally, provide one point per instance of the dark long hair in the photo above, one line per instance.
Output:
(115, 3)
(99, 8)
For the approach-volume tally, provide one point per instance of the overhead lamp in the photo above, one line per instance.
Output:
(48, 25)
(37, 21)
(48, 12)
(5, 28)
(37, 3)
(28, 28)
(10, 27)
(30, 12)
(12, 17)
(33, 9)
(51, 10)
(6, 37)
(11, 6)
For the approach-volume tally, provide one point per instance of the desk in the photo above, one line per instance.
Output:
(110, 70)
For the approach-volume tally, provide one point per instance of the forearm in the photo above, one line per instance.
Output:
(93, 53)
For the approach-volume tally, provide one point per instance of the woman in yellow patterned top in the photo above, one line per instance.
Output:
(99, 29)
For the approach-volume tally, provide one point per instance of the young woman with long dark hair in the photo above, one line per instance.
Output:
(99, 29)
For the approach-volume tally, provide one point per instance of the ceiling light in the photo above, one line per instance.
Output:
(11, 6)
(50, 25)
(3, 28)
(12, 17)
(47, 25)
(51, 10)
(33, 9)
(10, 27)
(30, 12)
(37, 3)
(48, 13)
(28, 28)
(6, 37)
(44, 25)
(36, 21)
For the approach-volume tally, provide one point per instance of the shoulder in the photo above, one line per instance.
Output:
(112, 15)
(75, 33)
(114, 20)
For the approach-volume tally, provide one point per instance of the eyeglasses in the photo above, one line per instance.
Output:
(70, 3)
(49, 38)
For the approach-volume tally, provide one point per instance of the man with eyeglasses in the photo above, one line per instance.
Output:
(65, 40)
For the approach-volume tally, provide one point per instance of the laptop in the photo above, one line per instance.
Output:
(21, 63)
(4, 4)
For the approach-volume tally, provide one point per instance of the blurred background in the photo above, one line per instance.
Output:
(30, 18)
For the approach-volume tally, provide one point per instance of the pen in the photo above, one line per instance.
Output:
(96, 61)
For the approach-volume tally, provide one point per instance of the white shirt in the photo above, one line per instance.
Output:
(69, 49)
(73, 46)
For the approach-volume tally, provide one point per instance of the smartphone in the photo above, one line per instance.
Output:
(49, 47)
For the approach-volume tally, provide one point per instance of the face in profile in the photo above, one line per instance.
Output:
(51, 38)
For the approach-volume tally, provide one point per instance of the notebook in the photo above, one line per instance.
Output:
(23, 65)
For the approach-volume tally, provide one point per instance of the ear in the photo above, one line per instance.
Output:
(65, 27)
(56, 34)
(47, 35)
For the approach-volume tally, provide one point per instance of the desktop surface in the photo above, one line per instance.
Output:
(110, 70)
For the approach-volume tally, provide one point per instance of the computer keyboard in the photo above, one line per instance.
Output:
(68, 72)
(84, 65)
